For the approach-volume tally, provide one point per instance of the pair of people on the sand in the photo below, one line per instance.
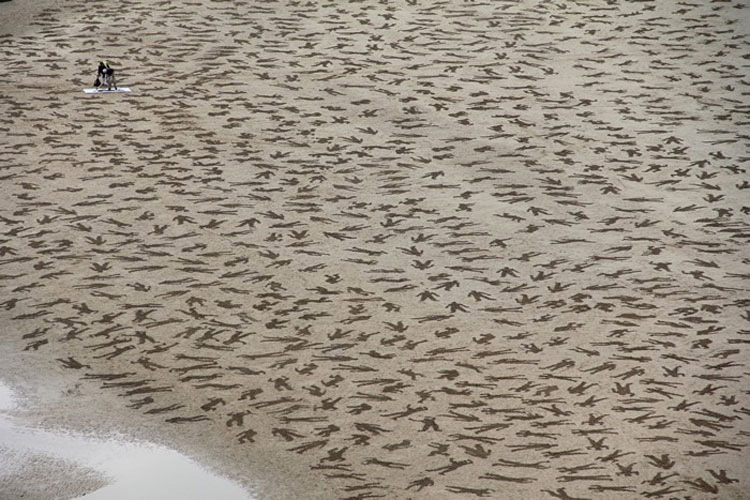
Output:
(105, 75)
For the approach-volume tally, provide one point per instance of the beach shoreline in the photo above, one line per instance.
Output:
(384, 250)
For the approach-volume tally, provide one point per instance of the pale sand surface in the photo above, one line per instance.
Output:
(385, 249)
(44, 477)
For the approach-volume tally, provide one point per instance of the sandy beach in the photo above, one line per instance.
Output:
(380, 249)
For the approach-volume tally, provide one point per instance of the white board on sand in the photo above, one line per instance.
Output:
(121, 90)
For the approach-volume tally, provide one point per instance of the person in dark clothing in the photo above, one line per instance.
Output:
(105, 75)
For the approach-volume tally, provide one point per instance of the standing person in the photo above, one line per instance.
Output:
(106, 75)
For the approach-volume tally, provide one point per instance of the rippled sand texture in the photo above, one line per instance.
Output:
(424, 250)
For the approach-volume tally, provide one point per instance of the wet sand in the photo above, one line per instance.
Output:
(69, 465)
(384, 249)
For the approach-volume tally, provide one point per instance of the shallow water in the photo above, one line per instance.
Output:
(137, 470)
(7, 398)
